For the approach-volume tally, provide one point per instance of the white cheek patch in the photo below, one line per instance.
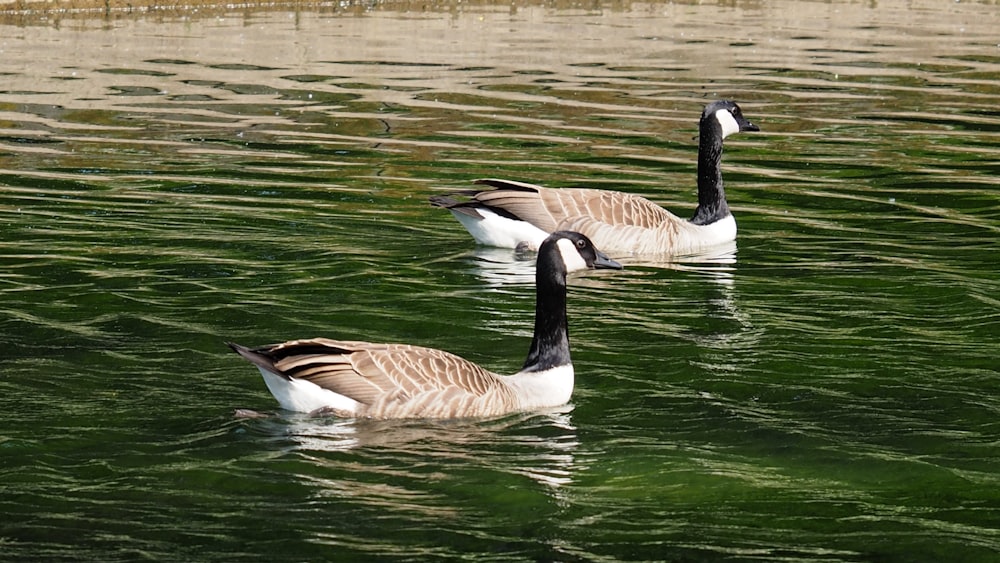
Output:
(570, 256)
(728, 122)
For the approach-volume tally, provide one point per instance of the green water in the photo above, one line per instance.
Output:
(829, 394)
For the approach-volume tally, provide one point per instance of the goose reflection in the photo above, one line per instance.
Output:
(732, 334)
(717, 264)
(540, 445)
(717, 267)
(497, 267)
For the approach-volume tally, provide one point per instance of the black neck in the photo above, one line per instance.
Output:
(712, 204)
(550, 345)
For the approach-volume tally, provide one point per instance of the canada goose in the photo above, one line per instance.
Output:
(513, 213)
(361, 379)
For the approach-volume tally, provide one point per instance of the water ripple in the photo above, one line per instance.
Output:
(823, 390)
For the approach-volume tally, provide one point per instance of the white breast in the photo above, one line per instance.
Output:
(550, 388)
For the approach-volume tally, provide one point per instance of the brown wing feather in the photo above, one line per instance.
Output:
(369, 373)
(520, 200)
(550, 208)
(614, 208)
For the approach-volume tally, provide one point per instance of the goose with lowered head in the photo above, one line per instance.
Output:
(362, 379)
(512, 214)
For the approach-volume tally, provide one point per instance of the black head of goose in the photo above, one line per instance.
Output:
(363, 379)
(512, 213)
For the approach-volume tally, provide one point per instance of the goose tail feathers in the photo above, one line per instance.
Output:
(262, 361)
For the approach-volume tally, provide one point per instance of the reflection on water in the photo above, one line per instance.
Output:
(550, 435)
(501, 266)
(824, 390)
(424, 470)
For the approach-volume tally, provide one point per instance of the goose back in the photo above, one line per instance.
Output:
(552, 209)
(624, 222)
(386, 380)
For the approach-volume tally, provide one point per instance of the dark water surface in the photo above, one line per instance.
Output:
(830, 394)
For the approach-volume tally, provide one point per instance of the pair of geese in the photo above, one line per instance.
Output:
(566, 226)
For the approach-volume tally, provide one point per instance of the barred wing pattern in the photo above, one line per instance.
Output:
(549, 209)
(614, 221)
(395, 380)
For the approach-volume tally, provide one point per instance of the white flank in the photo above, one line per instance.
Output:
(493, 230)
(682, 237)
(570, 255)
(550, 388)
(728, 122)
(304, 396)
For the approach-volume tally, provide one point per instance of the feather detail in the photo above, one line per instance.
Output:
(391, 380)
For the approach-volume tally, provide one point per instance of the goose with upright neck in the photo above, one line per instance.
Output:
(512, 214)
(368, 380)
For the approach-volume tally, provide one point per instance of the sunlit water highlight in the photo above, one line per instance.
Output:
(825, 391)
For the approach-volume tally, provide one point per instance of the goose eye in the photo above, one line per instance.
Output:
(581, 244)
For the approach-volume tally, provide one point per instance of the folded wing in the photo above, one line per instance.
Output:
(554, 209)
